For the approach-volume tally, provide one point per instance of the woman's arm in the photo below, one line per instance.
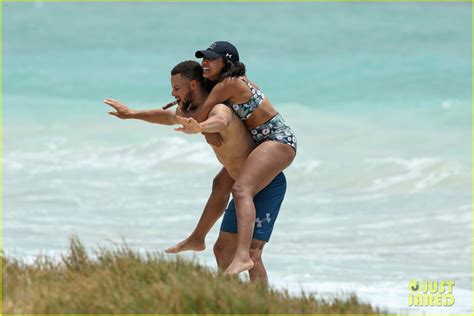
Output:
(218, 120)
(214, 139)
(222, 92)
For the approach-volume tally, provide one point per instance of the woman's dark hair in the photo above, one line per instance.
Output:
(208, 85)
(232, 69)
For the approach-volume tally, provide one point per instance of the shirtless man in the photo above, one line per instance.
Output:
(190, 92)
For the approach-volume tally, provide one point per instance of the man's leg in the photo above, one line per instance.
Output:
(224, 250)
(258, 272)
(215, 206)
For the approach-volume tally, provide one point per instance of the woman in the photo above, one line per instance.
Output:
(276, 142)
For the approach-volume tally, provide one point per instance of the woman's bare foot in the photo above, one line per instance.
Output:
(239, 265)
(187, 244)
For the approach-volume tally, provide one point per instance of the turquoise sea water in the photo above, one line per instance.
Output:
(378, 94)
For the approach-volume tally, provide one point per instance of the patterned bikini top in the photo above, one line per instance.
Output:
(244, 110)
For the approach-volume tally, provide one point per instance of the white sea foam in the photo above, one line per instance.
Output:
(415, 174)
(135, 158)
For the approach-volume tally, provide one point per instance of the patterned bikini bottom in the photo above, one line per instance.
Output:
(274, 129)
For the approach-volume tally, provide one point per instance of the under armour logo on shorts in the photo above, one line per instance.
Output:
(260, 221)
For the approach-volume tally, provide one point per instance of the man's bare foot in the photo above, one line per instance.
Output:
(237, 266)
(187, 244)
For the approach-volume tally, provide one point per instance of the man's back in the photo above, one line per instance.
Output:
(237, 142)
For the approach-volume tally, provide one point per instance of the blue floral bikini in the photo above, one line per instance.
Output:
(244, 110)
(274, 129)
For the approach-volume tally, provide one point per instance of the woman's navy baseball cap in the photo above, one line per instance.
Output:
(219, 49)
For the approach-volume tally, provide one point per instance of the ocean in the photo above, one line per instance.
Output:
(379, 96)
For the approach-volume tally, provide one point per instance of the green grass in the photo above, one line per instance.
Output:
(123, 281)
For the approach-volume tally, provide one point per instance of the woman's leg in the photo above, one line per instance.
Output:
(216, 204)
(263, 164)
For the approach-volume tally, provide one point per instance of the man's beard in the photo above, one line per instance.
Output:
(185, 105)
(187, 101)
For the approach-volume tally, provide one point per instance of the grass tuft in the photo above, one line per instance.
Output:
(122, 281)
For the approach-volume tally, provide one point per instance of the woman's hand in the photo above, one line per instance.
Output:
(190, 125)
(123, 112)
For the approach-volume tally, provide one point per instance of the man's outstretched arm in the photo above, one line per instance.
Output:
(156, 116)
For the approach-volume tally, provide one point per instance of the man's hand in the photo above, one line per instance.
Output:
(122, 111)
(190, 125)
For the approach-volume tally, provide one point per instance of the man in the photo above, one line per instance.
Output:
(190, 92)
